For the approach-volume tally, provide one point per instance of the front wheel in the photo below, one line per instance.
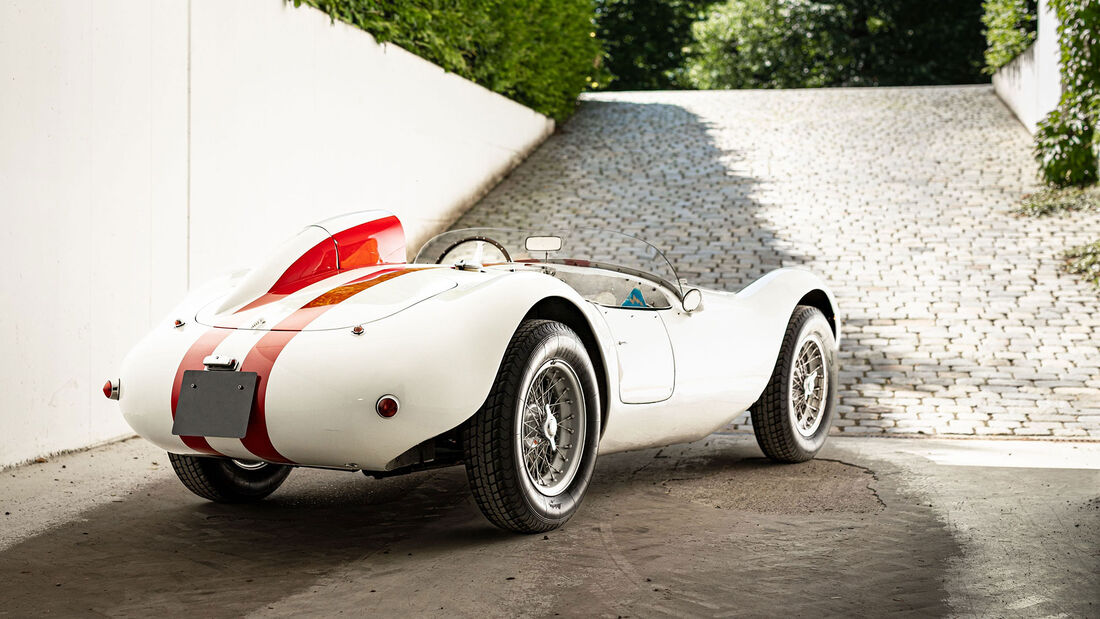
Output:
(531, 448)
(228, 481)
(792, 417)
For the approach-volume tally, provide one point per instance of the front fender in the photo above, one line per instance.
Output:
(786, 288)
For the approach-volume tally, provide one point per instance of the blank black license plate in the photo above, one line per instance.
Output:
(214, 403)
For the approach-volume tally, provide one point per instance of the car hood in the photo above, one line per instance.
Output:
(344, 300)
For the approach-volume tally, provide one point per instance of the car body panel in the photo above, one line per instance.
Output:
(646, 364)
(724, 353)
(434, 336)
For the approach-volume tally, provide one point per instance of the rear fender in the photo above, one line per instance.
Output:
(440, 358)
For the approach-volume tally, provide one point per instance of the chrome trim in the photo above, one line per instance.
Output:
(248, 465)
(218, 362)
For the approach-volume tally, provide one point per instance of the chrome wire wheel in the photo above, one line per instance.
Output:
(808, 387)
(550, 433)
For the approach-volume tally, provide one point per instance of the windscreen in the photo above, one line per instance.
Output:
(576, 246)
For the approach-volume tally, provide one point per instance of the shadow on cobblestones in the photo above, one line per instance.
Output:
(651, 170)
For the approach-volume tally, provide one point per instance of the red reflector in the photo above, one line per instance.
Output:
(387, 406)
(110, 390)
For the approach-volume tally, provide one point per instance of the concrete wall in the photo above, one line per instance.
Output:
(145, 147)
(1031, 84)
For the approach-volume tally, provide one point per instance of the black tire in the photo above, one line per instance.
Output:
(773, 419)
(498, 477)
(224, 481)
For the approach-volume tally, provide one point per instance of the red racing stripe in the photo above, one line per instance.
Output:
(192, 360)
(263, 355)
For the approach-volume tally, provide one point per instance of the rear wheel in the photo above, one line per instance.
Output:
(792, 417)
(228, 481)
(531, 448)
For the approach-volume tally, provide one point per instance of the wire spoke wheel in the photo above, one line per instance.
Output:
(808, 387)
(551, 433)
(531, 448)
(792, 417)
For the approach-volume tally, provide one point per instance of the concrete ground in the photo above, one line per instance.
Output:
(873, 526)
(957, 316)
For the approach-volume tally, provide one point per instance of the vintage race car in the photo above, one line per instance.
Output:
(520, 354)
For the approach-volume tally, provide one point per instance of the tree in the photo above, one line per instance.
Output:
(806, 43)
(644, 40)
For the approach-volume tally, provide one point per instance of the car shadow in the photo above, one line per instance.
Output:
(160, 548)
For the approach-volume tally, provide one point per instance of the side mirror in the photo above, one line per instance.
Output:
(693, 300)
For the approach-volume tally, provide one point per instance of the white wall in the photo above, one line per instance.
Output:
(294, 119)
(146, 146)
(1031, 85)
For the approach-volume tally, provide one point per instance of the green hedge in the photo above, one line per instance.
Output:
(1068, 139)
(541, 53)
(1009, 30)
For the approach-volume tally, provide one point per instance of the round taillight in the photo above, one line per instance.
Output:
(110, 390)
(387, 406)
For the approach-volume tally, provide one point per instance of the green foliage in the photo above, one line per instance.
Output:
(800, 43)
(768, 44)
(1068, 139)
(645, 39)
(1085, 260)
(541, 53)
(1053, 200)
(1009, 30)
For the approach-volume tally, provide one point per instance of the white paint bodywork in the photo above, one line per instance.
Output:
(645, 360)
(724, 355)
(669, 376)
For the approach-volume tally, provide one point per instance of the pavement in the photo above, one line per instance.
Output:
(872, 526)
(957, 317)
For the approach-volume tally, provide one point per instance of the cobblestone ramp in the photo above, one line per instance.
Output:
(957, 318)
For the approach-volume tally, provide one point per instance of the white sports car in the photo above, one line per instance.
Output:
(520, 354)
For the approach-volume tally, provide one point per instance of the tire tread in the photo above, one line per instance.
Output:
(769, 414)
(190, 471)
(492, 471)
(216, 479)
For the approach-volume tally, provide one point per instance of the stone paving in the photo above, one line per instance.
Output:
(957, 319)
